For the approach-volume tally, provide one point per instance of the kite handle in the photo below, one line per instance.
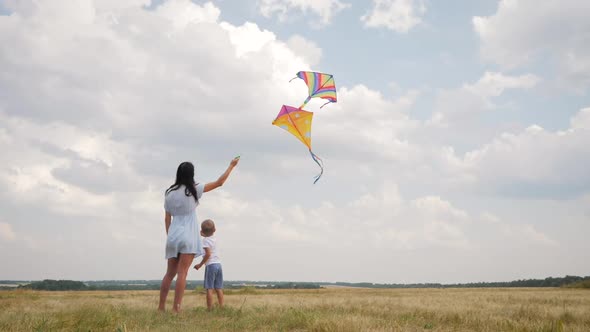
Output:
(320, 163)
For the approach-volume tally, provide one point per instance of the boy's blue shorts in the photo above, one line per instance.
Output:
(213, 276)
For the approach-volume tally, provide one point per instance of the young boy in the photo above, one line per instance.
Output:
(213, 272)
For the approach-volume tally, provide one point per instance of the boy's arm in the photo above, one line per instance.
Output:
(205, 258)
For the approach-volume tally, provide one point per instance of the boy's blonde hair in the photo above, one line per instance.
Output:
(208, 227)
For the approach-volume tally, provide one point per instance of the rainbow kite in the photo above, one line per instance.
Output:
(319, 85)
(298, 123)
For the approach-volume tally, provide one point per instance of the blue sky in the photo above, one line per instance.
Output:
(458, 145)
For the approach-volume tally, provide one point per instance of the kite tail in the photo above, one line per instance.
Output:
(320, 163)
(293, 78)
(305, 102)
(325, 104)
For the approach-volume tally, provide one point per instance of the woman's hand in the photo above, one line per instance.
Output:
(219, 182)
(234, 162)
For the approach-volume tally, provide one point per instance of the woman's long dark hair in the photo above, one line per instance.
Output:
(185, 175)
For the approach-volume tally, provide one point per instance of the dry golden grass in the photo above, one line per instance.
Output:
(514, 309)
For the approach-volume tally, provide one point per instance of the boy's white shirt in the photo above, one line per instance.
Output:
(211, 243)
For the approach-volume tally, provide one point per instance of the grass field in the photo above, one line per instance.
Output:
(500, 309)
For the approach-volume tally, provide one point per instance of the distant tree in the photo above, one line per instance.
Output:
(580, 284)
(56, 285)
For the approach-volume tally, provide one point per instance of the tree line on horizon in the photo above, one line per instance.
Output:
(547, 282)
(62, 285)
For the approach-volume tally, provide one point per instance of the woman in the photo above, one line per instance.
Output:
(183, 241)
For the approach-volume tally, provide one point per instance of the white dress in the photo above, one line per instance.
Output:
(184, 232)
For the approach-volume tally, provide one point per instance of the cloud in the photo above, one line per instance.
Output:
(365, 124)
(126, 96)
(114, 125)
(283, 9)
(518, 232)
(382, 222)
(248, 38)
(308, 49)
(373, 218)
(493, 84)
(63, 158)
(114, 5)
(470, 100)
(28, 7)
(182, 13)
(97, 177)
(581, 120)
(535, 162)
(397, 15)
(552, 31)
(6, 232)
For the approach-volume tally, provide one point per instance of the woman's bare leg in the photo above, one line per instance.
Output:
(184, 263)
(167, 281)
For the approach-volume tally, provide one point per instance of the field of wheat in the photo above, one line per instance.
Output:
(506, 309)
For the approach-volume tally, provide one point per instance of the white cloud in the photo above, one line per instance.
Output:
(103, 5)
(364, 122)
(493, 84)
(490, 218)
(308, 49)
(378, 226)
(581, 120)
(325, 9)
(462, 104)
(435, 206)
(90, 136)
(398, 15)
(527, 30)
(248, 38)
(182, 13)
(6, 232)
(285, 232)
(425, 222)
(531, 232)
(518, 232)
(535, 162)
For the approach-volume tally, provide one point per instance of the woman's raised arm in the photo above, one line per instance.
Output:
(219, 182)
